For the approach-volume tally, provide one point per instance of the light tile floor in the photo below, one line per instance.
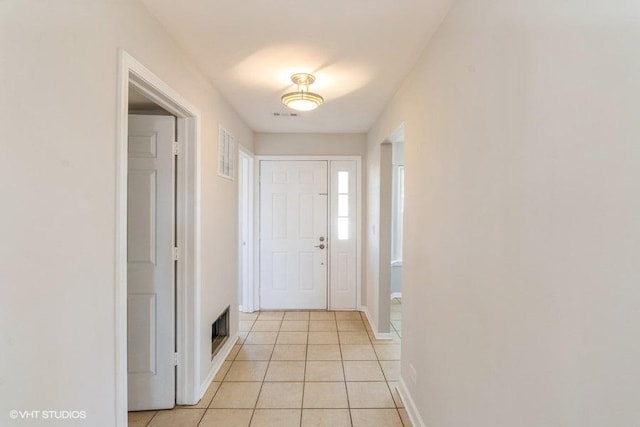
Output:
(300, 369)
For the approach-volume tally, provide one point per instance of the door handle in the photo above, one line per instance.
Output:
(321, 246)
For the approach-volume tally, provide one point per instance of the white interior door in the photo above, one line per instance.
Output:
(293, 240)
(150, 276)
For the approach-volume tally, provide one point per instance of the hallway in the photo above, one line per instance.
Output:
(292, 369)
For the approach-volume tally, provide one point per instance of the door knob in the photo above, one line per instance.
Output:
(321, 246)
(321, 239)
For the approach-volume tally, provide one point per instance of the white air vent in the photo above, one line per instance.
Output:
(278, 114)
(226, 154)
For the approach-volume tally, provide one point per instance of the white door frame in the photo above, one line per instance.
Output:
(358, 160)
(247, 283)
(132, 72)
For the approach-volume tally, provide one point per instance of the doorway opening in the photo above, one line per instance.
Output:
(134, 76)
(391, 233)
(397, 230)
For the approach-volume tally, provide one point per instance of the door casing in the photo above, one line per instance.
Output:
(359, 230)
(188, 276)
(246, 224)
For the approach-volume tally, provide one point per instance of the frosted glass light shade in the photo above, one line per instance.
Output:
(302, 101)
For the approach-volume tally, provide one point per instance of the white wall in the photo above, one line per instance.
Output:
(521, 297)
(57, 179)
(311, 144)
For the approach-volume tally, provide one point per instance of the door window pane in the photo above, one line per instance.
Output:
(343, 182)
(343, 205)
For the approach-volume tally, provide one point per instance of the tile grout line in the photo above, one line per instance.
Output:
(344, 375)
(253, 410)
(304, 376)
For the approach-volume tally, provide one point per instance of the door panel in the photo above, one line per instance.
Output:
(150, 275)
(293, 213)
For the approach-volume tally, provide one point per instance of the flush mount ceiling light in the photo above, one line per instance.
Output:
(302, 100)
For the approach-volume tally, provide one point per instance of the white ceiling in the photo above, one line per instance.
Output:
(359, 51)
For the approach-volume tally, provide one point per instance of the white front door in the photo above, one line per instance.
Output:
(293, 240)
(150, 278)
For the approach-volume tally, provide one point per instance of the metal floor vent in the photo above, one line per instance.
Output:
(219, 332)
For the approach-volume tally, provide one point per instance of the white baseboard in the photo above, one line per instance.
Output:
(410, 405)
(396, 295)
(216, 363)
(374, 327)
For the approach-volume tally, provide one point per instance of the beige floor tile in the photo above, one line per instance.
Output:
(281, 395)
(237, 395)
(255, 352)
(241, 337)
(296, 315)
(354, 337)
(250, 370)
(326, 418)
(358, 352)
(391, 369)
(266, 326)
(289, 352)
(393, 386)
(226, 418)
(325, 395)
(276, 418)
(177, 417)
(322, 315)
(245, 325)
(362, 370)
(350, 325)
(375, 418)
(295, 326)
(261, 338)
(387, 352)
(234, 352)
(222, 372)
(322, 325)
(406, 421)
(323, 338)
(140, 419)
(271, 315)
(348, 315)
(292, 338)
(369, 395)
(323, 352)
(324, 371)
(285, 371)
(207, 398)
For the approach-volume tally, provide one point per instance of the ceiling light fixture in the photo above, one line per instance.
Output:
(302, 100)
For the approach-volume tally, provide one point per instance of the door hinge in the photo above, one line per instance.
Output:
(176, 148)
(176, 254)
(175, 359)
